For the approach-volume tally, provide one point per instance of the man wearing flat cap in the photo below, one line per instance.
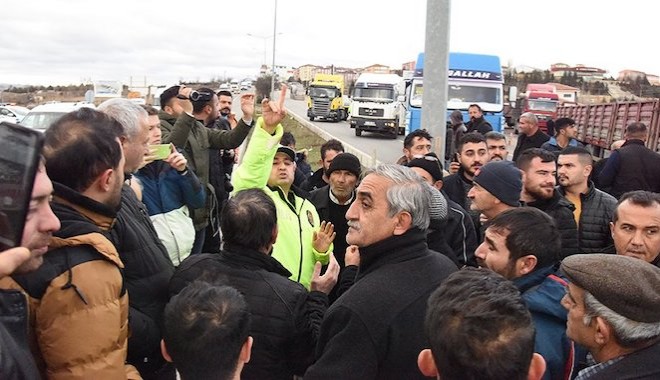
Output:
(613, 304)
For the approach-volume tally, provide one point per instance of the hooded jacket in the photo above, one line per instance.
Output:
(195, 139)
(542, 291)
(78, 301)
(169, 195)
(297, 219)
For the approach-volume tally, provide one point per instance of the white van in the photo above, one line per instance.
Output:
(43, 116)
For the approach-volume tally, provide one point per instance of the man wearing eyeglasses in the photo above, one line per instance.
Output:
(182, 128)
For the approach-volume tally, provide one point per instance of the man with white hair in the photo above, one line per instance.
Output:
(613, 304)
(371, 331)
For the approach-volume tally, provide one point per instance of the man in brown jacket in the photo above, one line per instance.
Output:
(77, 298)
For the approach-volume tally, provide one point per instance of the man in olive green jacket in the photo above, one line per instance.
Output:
(179, 127)
(302, 240)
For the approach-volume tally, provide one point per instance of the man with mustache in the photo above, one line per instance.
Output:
(472, 154)
(497, 149)
(539, 177)
(376, 329)
(635, 226)
(332, 201)
(593, 208)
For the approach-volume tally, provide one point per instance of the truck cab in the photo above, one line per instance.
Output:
(378, 104)
(325, 98)
(542, 101)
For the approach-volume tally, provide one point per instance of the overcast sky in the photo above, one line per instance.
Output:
(68, 42)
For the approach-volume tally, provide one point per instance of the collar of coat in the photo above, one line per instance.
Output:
(394, 249)
(251, 258)
(100, 214)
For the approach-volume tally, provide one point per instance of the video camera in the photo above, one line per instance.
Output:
(201, 96)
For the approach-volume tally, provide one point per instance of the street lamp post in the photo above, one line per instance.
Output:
(272, 77)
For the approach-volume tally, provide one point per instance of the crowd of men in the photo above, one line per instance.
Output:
(190, 265)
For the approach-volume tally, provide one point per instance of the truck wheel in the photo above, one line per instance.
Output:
(402, 131)
(394, 135)
(311, 118)
(358, 131)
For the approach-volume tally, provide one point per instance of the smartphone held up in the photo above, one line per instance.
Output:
(20, 152)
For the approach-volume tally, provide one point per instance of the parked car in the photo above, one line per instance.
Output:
(224, 87)
(13, 114)
(43, 116)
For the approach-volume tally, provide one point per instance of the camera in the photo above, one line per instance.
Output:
(200, 96)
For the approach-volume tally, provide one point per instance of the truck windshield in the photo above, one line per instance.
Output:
(542, 105)
(321, 92)
(374, 94)
(458, 93)
(473, 94)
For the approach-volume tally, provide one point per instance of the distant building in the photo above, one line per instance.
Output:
(587, 73)
(567, 94)
(305, 73)
(630, 75)
(377, 69)
(408, 66)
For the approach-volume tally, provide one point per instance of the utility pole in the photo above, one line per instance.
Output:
(436, 57)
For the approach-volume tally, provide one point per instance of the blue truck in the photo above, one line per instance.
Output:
(472, 79)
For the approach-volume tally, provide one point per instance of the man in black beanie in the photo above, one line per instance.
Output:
(333, 200)
(497, 186)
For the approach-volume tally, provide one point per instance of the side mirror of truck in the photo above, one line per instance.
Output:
(400, 98)
(513, 94)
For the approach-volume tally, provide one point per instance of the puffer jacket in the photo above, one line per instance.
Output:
(78, 301)
(561, 210)
(542, 291)
(168, 196)
(147, 271)
(594, 234)
(195, 139)
(297, 219)
(285, 317)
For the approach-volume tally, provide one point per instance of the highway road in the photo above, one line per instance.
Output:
(370, 147)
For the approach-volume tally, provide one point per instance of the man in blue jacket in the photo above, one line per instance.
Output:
(523, 245)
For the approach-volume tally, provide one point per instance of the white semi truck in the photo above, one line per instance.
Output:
(378, 104)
